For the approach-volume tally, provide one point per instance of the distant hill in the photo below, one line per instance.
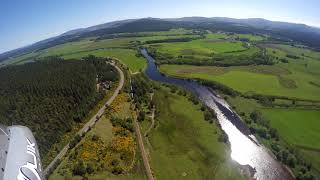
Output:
(297, 32)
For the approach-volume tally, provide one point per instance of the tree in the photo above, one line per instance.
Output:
(223, 137)
(75, 141)
(255, 115)
(90, 168)
(141, 115)
(79, 168)
(51, 92)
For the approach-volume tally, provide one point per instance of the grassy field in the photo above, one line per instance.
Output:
(288, 121)
(184, 145)
(201, 47)
(291, 80)
(117, 47)
(162, 37)
(250, 37)
(281, 50)
(216, 36)
(126, 56)
(300, 128)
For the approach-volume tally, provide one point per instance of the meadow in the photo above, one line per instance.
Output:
(125, 56)
(184, 145)
(289, 120)
(120, 48)
(297, 128)
(300, 128)
(280, 80)
(250, 37)
(201, 47)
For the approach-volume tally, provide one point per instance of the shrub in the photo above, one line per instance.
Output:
(79, 168)
(75, 141)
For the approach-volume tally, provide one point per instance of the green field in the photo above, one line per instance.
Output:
(119, 48)
(216, 36)
(84, 48)
(289, 121)
(250, 37)
(200, 47)
(184, 145)
(162, 37)
(126, 56)
(299, 128)
(283, 80)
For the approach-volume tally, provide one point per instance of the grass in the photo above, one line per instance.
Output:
(281, 50)
(216, 36)
(177, 31)
(126, 56)
(162, 37)
(250, 37)
(290, 80)
(298, 127)
(289, 121)
(19, 59)
(201, 47)
(184, 145)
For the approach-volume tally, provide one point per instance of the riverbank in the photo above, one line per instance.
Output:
(185, 145)
(243, 149)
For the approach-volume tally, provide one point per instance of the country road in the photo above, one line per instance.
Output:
(91, 122)
(144, 155)
(143, 151)
(152, 122)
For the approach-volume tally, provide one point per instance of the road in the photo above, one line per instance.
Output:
(152, 122)
(142, 150)
(141, 144)
(91, 122)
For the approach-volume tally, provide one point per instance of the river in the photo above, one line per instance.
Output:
(245, 149)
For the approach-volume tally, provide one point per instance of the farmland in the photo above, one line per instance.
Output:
(200, 47)
(125, 56)
(288, 121)
(283, 80)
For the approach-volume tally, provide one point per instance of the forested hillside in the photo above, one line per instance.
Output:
(51, 95)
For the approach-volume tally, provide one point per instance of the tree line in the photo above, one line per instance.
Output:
(51, 95)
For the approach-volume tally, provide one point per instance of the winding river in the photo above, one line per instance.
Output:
(244, 148)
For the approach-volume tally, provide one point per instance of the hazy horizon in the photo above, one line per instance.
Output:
(27, 22)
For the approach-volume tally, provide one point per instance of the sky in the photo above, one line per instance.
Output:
(23, 22)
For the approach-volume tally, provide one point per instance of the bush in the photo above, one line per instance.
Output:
(117, 170)
(75, 141)
(90, 168)
(95, 137)
(79, 168)
(141, 115)
(223, 137)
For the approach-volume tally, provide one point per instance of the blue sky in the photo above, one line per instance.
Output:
(23, 22)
